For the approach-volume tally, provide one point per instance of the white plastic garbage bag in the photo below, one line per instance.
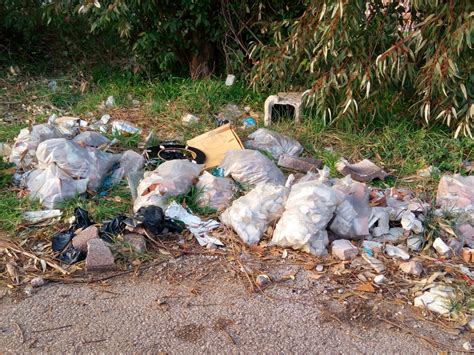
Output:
(52, 186)
(23, 153)
(308, 210)
(90, 139)
(130, 163)
(274, 143)
(251, 167)
(171, 178)
(214, 192)
(353, 210)
(250, 215)
(77, 162)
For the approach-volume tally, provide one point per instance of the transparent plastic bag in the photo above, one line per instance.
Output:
(274, 143)
(23, 153)
(130, 163)
(52, 186)
(353, 211)
(214, 192)
(173, 177)
(90, 139)
(308, 210)
(77, 162)
(251, 167)
(250, 215)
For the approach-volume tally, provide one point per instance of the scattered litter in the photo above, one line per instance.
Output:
(299, 164)
(214, 192)
(372, 245)
(396, 252)
(412, 267)
(374, 263)
(105, 119)
(90, 139)
(362, 171)
(441, 247)
(123, 127)
(380, 279)
(196, 226)
(344, 249)
(249, 122)
(230, 112)
(171, 178)
(428, 172)
(353, 211)
(273, 143)
(319, 268)
(230, 80)
(251, 167)
(110, 102)
(379, 221)
(35, 217)
(438, 299)
(190, 119)
(262, 280)
(251, 214)
(456, 193)
(214, 144)
(308, 210)
(411, 223)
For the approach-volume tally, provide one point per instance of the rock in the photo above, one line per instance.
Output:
(99, 257)
(82, 237)
(38, 282)
(110, 102)
(467, 346)
(262, 280)
(136, 241)
(375, 263)
(230, 80)
(396, 252)
(467, 255)
(344, 249)
(455, 245)
(411, 267)
(189, 119)
(319, 268)
(374, 246)
(380, 279)
(441, 247)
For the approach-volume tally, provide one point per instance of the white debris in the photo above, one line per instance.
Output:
(437, 299)
(41, 216)
(250, 215)
(380, 279)
(124, 127)
(105, 119)
(344, 249)
(396, 252)
(190, 119)
(441, 247)
(196, 226)
(273, 143)
(230, 80)
(110, 102)
(411, 223)
(379, 221)
(308, 210)
(411, 267)
(375, 263)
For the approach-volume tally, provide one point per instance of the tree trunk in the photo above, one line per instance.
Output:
(201, 64)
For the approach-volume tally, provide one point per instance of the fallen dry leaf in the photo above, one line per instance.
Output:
(366, 287)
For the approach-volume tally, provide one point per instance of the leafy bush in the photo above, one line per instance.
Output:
(349, 54)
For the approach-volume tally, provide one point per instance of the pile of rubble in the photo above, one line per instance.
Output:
(303, 207)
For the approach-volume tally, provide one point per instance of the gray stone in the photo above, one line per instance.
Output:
(136, 241)
(99, 257)
(80, 240)
(344, 249)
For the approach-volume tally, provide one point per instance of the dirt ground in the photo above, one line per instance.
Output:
(198, 304)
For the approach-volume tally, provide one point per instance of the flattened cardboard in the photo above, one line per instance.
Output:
(216, 143)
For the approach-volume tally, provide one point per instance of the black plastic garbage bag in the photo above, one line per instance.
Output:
(61, 240)
(154, 221)
(112, 228)
(82, 219)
